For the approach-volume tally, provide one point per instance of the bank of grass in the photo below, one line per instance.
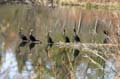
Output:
(91, 5)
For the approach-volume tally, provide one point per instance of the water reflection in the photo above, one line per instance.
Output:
(110, 69)
(84, 72)
(43, 20)
(9, 68)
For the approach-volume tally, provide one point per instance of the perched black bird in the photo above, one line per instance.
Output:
(106, 32)
(76, 37)
(49, 40)
(107, 38)
(22, 36)
(33, 41)
(31, 37)
(50, 43)
(67, 40)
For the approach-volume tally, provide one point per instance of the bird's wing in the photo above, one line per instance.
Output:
(32, 38)
(24, 38)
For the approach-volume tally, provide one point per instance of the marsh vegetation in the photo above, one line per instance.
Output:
(52, 56)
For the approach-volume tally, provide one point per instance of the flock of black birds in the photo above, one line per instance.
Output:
(33, 41)
(76, 39)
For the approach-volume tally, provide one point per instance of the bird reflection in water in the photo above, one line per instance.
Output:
(24, 39)
(77, 40)
(50, 43)
(32, 40)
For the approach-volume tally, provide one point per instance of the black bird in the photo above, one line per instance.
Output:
(49, 40)
(31, 37)
(76, 37)
(50, 43)
(106, 39)
(22, 36)
(67, 40)
(33, 41)
(106, 32)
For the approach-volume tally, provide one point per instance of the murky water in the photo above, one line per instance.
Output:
(20, 62)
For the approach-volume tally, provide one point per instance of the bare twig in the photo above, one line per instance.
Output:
(96, 26)
(72, 76)
(41, 68)
(94, 62)
(85, 45)
(80, 23)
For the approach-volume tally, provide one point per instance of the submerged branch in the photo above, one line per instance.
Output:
(95, 47)
(85, 45)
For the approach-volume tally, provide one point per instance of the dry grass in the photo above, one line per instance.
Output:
(47, 20)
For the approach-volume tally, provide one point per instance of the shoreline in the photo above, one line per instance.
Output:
(86, 5)
(93, 5)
